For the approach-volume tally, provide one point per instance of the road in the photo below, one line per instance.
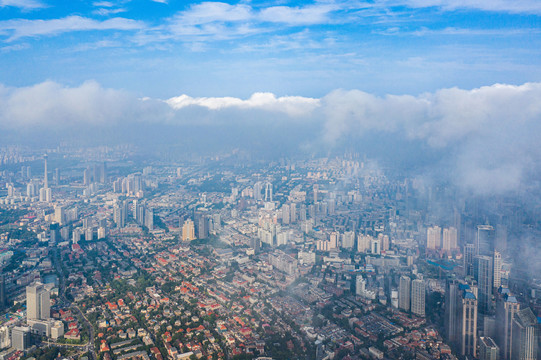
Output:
(62, 293)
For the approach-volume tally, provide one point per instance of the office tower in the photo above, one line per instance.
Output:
(484, 240)
(28, 172)
(57, 177)
(149, 219)
(103, 173)
(268, 192)
(507, 307)
(86, 176)
(60, 214)
(375, 247)
(469, 254)
(118, 216)
(433, 237)
(316, 190)
(525, 335)
(5, 338)
(418, 297)
(488, 350)
(451, 312)
(468, 322)
(348, 239)
(384, 242)
(285, 214)
(38, 302)
(258, 186)
(497, 264)
(485, 283)
(188, 231)
(255, 244)
(450, 239)
(293, 212)
(21, 337)
(54, 231)
(404, 293)
(302, 213)
(202, 226)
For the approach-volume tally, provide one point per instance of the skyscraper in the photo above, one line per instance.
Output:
(404, 293)
(484, 244)
(418, 297)
(468, 322)
(450, 239)
(433, 237)
(188, 231)
(38, 302)
(497, 278)
(507, 307)
(469, 253)
(45, 192)
(451, 312)
(525, 335)
(485, 283)
(488, 350)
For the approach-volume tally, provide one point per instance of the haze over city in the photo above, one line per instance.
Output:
(333, 179)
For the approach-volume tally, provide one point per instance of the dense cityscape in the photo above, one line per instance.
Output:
(108, 255)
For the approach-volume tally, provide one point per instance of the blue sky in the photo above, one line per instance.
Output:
(163, 49)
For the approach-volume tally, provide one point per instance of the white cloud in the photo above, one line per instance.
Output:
(510, 6)
(291, 105)
(308, 15)
(489, 136)
(20, 28)
(23, 4)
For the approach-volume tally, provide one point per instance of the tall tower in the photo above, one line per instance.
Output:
(451, 312)
(488, 350)
(484, 244)
(268, 192)
(525, 335)
(46, 178)
(484, 281)
(468, 317)
(497, 269)
(508, 306)
(38, 302)
(418, 297)
(404, 293)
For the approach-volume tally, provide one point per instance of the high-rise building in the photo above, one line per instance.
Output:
(525, 335)
(469, 264)
(418, 297)
(485, 283)
(5, 338)
(451, 313)
(485, 240)
(188, 231)
(488, 350)
(21, 337)
(38, 302)
(468, 321)
(433, 237)
(45, 194)
(268, 192)
(404, 293)
(497, 278)
(149, 219)
(60, 214)
(450, 239)
(506, 309)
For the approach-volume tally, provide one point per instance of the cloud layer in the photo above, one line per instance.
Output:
(486, 139)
